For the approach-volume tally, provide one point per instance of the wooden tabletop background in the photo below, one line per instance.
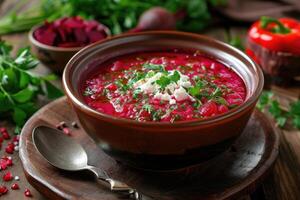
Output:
(282, 184)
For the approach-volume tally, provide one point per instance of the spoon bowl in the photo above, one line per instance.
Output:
(60, 151)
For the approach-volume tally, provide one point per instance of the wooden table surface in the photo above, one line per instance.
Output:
(282, 184)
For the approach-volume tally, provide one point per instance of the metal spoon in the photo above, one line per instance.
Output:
(65, 153)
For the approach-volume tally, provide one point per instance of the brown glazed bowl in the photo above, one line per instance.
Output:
(161, 145)
(53, 57)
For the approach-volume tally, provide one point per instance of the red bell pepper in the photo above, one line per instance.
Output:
(282, 35)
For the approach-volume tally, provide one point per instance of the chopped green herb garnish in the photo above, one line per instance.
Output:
(88, 92)
(156, 115)
(216, 93)
(176, 117)
(197, 104)
(137, 76)
(154, 67)
(163, 81)
(220, 100)
(148, 108)
(123, 87)
(175, 76)
(136, 93)
(150, 74)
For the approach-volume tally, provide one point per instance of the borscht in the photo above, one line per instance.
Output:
(165, 86)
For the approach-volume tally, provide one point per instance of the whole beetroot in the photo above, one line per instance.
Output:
(156, 18)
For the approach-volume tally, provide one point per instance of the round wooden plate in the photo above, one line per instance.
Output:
(227, 176)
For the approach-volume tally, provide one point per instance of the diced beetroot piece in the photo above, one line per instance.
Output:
(62, 34)
(7, 176)
(58, 23)
(1, 139)
(70, 44)
(93, 25)
(80, 36)
(95, 36)
(46, 37)
(209, 109)
(73, 23)
(3, 190)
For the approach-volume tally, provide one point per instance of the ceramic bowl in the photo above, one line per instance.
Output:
(161, 145)
(53, 57)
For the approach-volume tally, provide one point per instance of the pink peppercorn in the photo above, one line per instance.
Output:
(27, 193)
(15, 186)
(7, 177)
(3, 190)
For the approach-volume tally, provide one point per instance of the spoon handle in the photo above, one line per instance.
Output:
(114, 184)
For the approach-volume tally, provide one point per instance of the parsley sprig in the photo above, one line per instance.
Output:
(19, 88)
(267, 102)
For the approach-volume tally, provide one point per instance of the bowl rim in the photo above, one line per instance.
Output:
(90, 111)
(60, 49)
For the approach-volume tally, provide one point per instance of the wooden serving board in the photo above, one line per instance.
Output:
(236, 172)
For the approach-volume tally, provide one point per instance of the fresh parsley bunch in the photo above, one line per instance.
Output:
(19, 88)
(268, 103)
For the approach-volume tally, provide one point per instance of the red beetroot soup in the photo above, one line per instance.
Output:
(164, 86)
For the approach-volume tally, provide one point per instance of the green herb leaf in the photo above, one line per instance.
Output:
(5, 49)
(136, 93)
(281, 121)
(220, 100)
(296, 122)
(175, 76)
(148, 108)
(19, 88)
(9, 79)
(52, 91)
(275, 109)
(163, 81)
(123, 87)
(19, 116)
(264, 100)
(24, 80)
(5, 103)
(154, 67)
(23, 95)
(295, 108)
(25, 60)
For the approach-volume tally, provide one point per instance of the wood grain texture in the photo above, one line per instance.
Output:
(232, 174)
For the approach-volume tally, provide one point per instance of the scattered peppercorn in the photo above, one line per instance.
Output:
(3, 190)
(27, 193)
(15, 186)
(7, 177)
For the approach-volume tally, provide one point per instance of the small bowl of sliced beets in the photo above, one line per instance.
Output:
(162, 100)
(54, 43)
